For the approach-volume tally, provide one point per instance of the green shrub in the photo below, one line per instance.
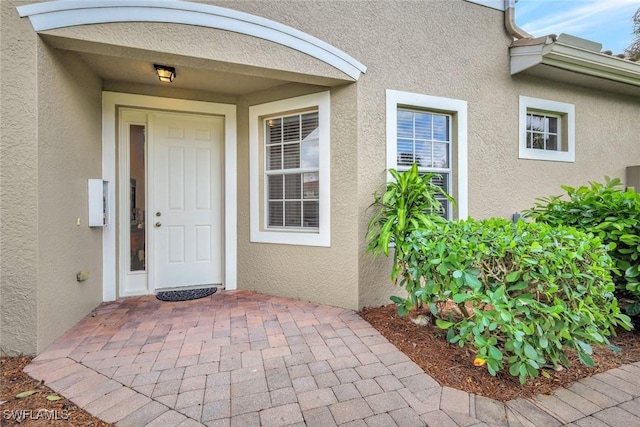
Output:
(408, 204)
(521, 292)
(610, 213)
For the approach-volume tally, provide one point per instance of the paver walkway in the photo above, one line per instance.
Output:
(239, 358)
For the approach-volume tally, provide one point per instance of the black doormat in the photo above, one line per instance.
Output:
(186, 294)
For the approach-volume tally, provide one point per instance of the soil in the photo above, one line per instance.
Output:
(453, 366)
(35, 410)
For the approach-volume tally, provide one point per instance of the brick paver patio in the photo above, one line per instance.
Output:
(240, 358)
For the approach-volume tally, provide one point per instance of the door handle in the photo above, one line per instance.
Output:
(157, 224)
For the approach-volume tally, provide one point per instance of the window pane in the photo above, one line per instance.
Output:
(440, 155)
(529, 140)
(291, 128)
(311, 215)
(293, 214)
(537, 141)
(309, 153)
(292, 186)
(405, 124)
(423, 125)
(274, 131)
(552, 142)
(291, 156)
(274, 157)
(275, 187)
(553, 124)
(311, 185)
(423, 154)
(528, 121)
(292, 143)
(405, 152)
(275, 214)
(137, 197)
(537, 123)
(310, 126)
(442, 181)
(440, 128)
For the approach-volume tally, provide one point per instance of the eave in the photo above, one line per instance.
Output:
(559, 60)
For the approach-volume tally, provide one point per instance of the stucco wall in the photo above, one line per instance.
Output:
(319, 274)
(452, 49)
(459, 50)
(69, 153)
(19, 261)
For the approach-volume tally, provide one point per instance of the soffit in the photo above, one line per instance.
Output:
(126, 64)
(573, 60)
(118, 69)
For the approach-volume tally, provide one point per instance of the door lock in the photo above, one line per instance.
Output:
(158, 214)
(158, 224)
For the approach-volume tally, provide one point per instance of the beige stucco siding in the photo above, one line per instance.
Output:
(319, 274)
(69, 153)
(19, 263)
(458, 50)
(606, 143)
(50, 128)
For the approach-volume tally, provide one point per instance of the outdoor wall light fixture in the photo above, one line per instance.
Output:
(165, 74)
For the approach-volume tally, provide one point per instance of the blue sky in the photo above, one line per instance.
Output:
(604, 21)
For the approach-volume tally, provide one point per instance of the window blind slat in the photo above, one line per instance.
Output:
(274, 131)
(292, 147)
(291, 156)
(293, 214)
(275, 187)
(291, 129)
(293, 186)
(309, 124)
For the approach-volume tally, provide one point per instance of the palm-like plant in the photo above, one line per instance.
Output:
(409, 203)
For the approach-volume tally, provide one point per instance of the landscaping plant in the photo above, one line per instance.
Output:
(408, 204)
(519, 293)
(610, 213)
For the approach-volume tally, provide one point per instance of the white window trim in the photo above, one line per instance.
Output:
(258, 233)
(555, 108)
(455, 107)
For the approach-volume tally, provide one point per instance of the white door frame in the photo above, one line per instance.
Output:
(110, 103)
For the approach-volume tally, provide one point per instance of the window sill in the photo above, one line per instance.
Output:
(292, 238)
(550, 156)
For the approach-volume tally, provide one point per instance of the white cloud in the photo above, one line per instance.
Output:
(583, 18)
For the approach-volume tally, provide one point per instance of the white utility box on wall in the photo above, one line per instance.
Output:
(98, 203)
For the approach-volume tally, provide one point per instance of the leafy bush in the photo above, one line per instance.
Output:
(408, 204)
(610, 213)
(521, 292)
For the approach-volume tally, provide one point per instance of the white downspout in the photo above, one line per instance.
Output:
(510, 21)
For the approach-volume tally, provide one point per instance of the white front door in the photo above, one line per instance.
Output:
(186, 203)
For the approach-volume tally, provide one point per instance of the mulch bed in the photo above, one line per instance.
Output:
(35, 410)
(452, 366)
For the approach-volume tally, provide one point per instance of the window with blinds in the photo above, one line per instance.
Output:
(424, 138)
(292, 171)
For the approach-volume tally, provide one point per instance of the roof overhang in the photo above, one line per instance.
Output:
(66, 13)
(546, 56)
